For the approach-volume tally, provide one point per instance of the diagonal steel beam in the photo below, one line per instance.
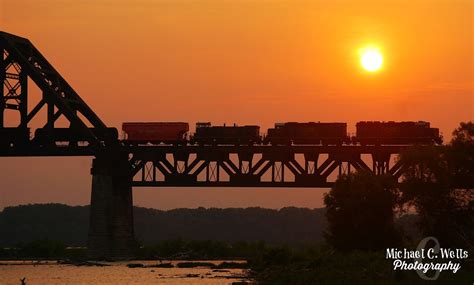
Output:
(323, 166)
(264, 168)
(330, 169)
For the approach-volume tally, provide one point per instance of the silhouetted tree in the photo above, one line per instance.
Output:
(438, 182)
(360, 212)
(44, 248)
(460, 155)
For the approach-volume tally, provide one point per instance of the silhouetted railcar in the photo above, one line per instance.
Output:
(14, 136)
(235, 135)
(45, 136)
(156, 132)
(307, 133)
(395, 133)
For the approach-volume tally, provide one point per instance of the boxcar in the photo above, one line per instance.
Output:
(396, 133)
(307, 133)
(156, 132)
(206, 134)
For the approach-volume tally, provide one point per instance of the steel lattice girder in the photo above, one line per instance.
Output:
(221, 166)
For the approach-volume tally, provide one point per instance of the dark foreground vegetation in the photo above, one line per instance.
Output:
(324, 265)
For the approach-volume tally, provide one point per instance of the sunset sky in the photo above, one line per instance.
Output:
(248, 62)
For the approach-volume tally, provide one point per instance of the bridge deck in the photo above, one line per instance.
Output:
(32, 151)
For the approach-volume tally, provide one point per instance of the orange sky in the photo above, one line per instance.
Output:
(241, 61)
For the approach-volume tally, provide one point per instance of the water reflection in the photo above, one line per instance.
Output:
(51, 272)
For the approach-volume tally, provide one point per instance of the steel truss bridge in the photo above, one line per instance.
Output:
(118, 167)
(237, 166)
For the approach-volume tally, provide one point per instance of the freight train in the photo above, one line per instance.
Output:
(290, 133)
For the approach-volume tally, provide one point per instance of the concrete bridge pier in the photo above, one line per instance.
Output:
(111, 233)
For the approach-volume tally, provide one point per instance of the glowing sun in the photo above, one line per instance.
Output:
(371, 59)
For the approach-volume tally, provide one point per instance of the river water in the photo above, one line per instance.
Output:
(50, 272)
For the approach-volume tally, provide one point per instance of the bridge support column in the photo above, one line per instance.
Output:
(111, 211)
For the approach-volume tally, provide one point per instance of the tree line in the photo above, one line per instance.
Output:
(69, 224)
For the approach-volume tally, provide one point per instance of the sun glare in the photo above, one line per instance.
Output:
(371, 59)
